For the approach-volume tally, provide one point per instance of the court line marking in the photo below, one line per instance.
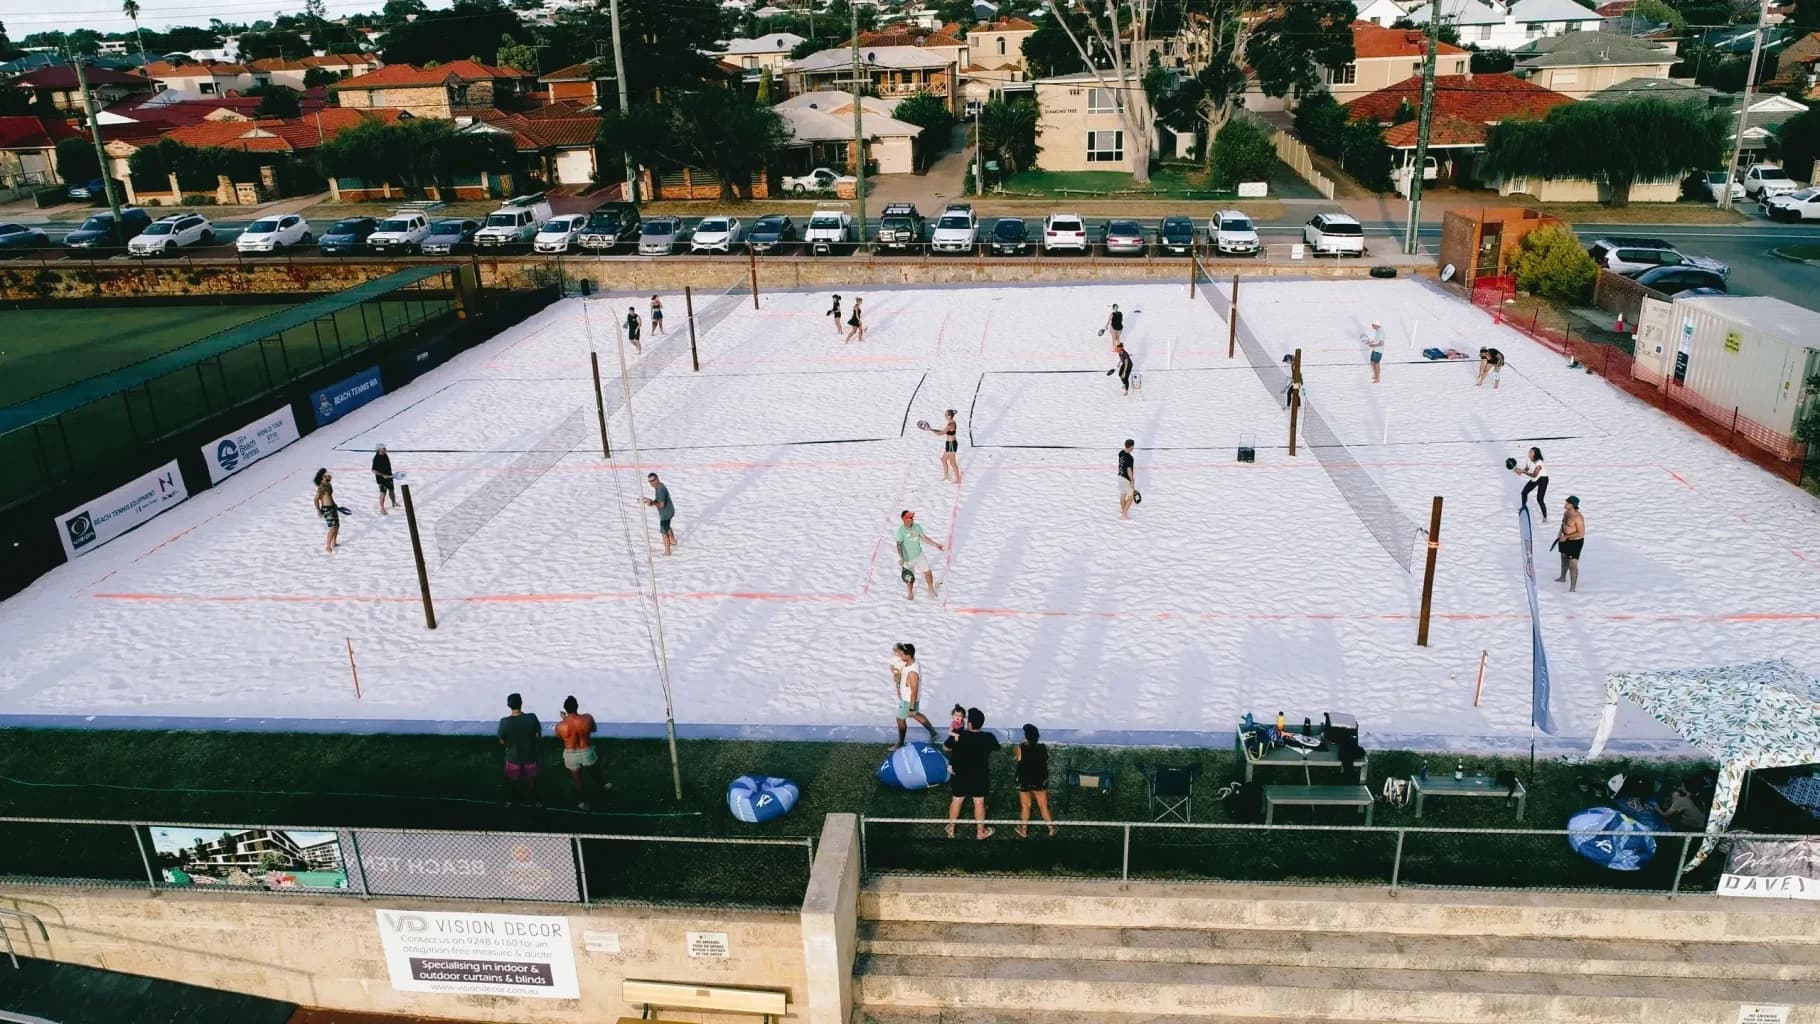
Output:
(186, 531)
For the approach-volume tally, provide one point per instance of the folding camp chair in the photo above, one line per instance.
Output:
(1171, 789)
(1089, 779)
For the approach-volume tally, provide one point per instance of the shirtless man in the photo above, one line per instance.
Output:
(576, 730)
(1570, 541)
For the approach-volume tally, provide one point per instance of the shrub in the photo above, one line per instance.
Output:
(1552, 264)
(1242, 151)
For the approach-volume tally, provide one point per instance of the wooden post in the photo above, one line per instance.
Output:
(1428, 573)
(689, 307)
(423, 572)
(1295, 396)
(1479, 690)
(600, 407)
(1232, 321)
(752, 262)
(1193, 265)
(353, 668)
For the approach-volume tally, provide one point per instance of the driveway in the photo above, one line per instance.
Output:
(945, 180)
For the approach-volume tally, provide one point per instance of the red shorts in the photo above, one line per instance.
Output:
(515, 771)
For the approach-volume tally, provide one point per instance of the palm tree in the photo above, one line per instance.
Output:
(130, 8)
(1007, 131)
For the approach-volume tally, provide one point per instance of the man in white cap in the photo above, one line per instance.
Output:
(1375, 340)
(382, 475)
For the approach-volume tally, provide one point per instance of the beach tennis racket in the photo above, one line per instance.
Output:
(1553, 544)
(1137, 497)
(923, 425)
(344, 510)
(1510, 463)
(908, 574)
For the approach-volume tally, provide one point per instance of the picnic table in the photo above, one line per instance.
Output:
(1288, 756)
(1316, 796)
(1472, 785)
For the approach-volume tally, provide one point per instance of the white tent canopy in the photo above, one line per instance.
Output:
(1764, 714)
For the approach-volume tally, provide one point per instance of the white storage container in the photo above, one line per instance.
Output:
(1749, 353)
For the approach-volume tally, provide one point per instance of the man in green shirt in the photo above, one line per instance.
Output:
(910, 556)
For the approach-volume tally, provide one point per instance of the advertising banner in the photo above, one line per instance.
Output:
(89, 526)
(487, 867)
(479, 954)
(1539, 695)
(236, 451)
(266, 858)
(344, 396)
(1787, 869)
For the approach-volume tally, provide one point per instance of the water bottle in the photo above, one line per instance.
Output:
(1459, 770)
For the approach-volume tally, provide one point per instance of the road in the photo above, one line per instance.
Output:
(1745, 247)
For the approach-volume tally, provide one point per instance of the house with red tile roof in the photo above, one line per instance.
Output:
(291, 72)
(1383, 57)
(290, 142)
(577, 83)
(446, 90)
(563, 147)
(28, 150)
(56, 86)
(200, 77)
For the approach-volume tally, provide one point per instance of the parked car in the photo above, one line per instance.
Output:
(1176, 235)
(559, 234)
(1125, 238)
(514, 223)
(1010, 237)
(274, 234)
(1675, 280)
(609, 227)
(1764, 182)
(1712, 186)
(1233, 234)
(718, 234)
(449, 236)
(94, 188)
(1064, 231)
(955, 230)
(819, 180)
(829, 226)
(18, 236)
(771, 232)
(97, 232)
(347, 236)
(1803, 204)
(168, 234)
(1627, 255)
(901, 227)
(1335, 234)
(401, 231)
(657, 237)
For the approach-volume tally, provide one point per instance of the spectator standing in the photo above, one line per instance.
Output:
(520, 732)
(907, 680)
(576, 731)
(971, 755)
(1032, 758)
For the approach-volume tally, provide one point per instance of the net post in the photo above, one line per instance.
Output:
(689, 307)
(1193, 266)
(1295, 396)
(1232, 326)
(600, 407)
(1428, 577)
(423, 572)
(752, 263)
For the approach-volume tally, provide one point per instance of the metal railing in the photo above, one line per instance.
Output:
(22, 917)
(562, 867)
(1399, 856)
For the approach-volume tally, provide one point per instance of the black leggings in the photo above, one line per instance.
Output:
(1540, 486)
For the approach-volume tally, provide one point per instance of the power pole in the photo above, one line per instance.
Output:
(1750, 85)
(1427, 120)
(625, 102)
(859, 139)
(94, 133)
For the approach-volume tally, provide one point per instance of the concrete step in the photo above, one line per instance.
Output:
(1620, 917)
(1314, 994)
(1366, 951)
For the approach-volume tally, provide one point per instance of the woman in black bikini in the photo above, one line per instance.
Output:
(950, 435)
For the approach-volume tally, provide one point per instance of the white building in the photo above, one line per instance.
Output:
(822, 123)
(754, 55)
(1490, 25)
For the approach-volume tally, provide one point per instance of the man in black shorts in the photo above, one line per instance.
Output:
(1127, 479)
(632, 328)
(1570, 542)
(971, 753)
(660, 500)
(382, 475)
(1123, 369)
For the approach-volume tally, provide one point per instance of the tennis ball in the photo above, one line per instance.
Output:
(1510, 463)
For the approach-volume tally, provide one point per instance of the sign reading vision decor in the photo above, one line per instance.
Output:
(346, 395)
(236, 451)
(87, 527)
(487, 867)
(479, 954)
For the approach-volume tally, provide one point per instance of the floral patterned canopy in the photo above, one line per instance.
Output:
(1764, 714)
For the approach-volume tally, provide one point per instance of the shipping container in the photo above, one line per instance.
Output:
(1752, 354)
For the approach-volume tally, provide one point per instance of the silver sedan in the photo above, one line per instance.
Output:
(1125, 238)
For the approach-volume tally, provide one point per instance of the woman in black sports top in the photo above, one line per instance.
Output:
(950, 434)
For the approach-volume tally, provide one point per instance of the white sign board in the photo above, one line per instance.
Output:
(231, 454)
(479, 954)
(1253, 189)
(87, 527)
(708, 946)
(1295, 252)
(1756, 1014)
(600, 942)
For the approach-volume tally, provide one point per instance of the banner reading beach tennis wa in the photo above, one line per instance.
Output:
(479, 954)
(88, 526)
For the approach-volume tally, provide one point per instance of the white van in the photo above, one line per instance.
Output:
(515, 223)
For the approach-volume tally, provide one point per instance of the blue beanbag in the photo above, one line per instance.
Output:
(756, 798)
(914, 766)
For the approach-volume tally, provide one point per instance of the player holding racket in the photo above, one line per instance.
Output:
(951, 445)
(1128, 492)
(910, 556)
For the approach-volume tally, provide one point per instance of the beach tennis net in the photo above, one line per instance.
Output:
(1394, 530)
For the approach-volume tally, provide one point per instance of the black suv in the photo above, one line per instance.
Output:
(97, 232)
(1010, 237)
(611, 226)
(902, 227)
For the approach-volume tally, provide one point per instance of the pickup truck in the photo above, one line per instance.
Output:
(1764, 182)
(514, 223)
(829, 226)
(819, 180)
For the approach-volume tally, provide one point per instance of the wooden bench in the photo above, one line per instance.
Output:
(759, 1002)
(1316, 796)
